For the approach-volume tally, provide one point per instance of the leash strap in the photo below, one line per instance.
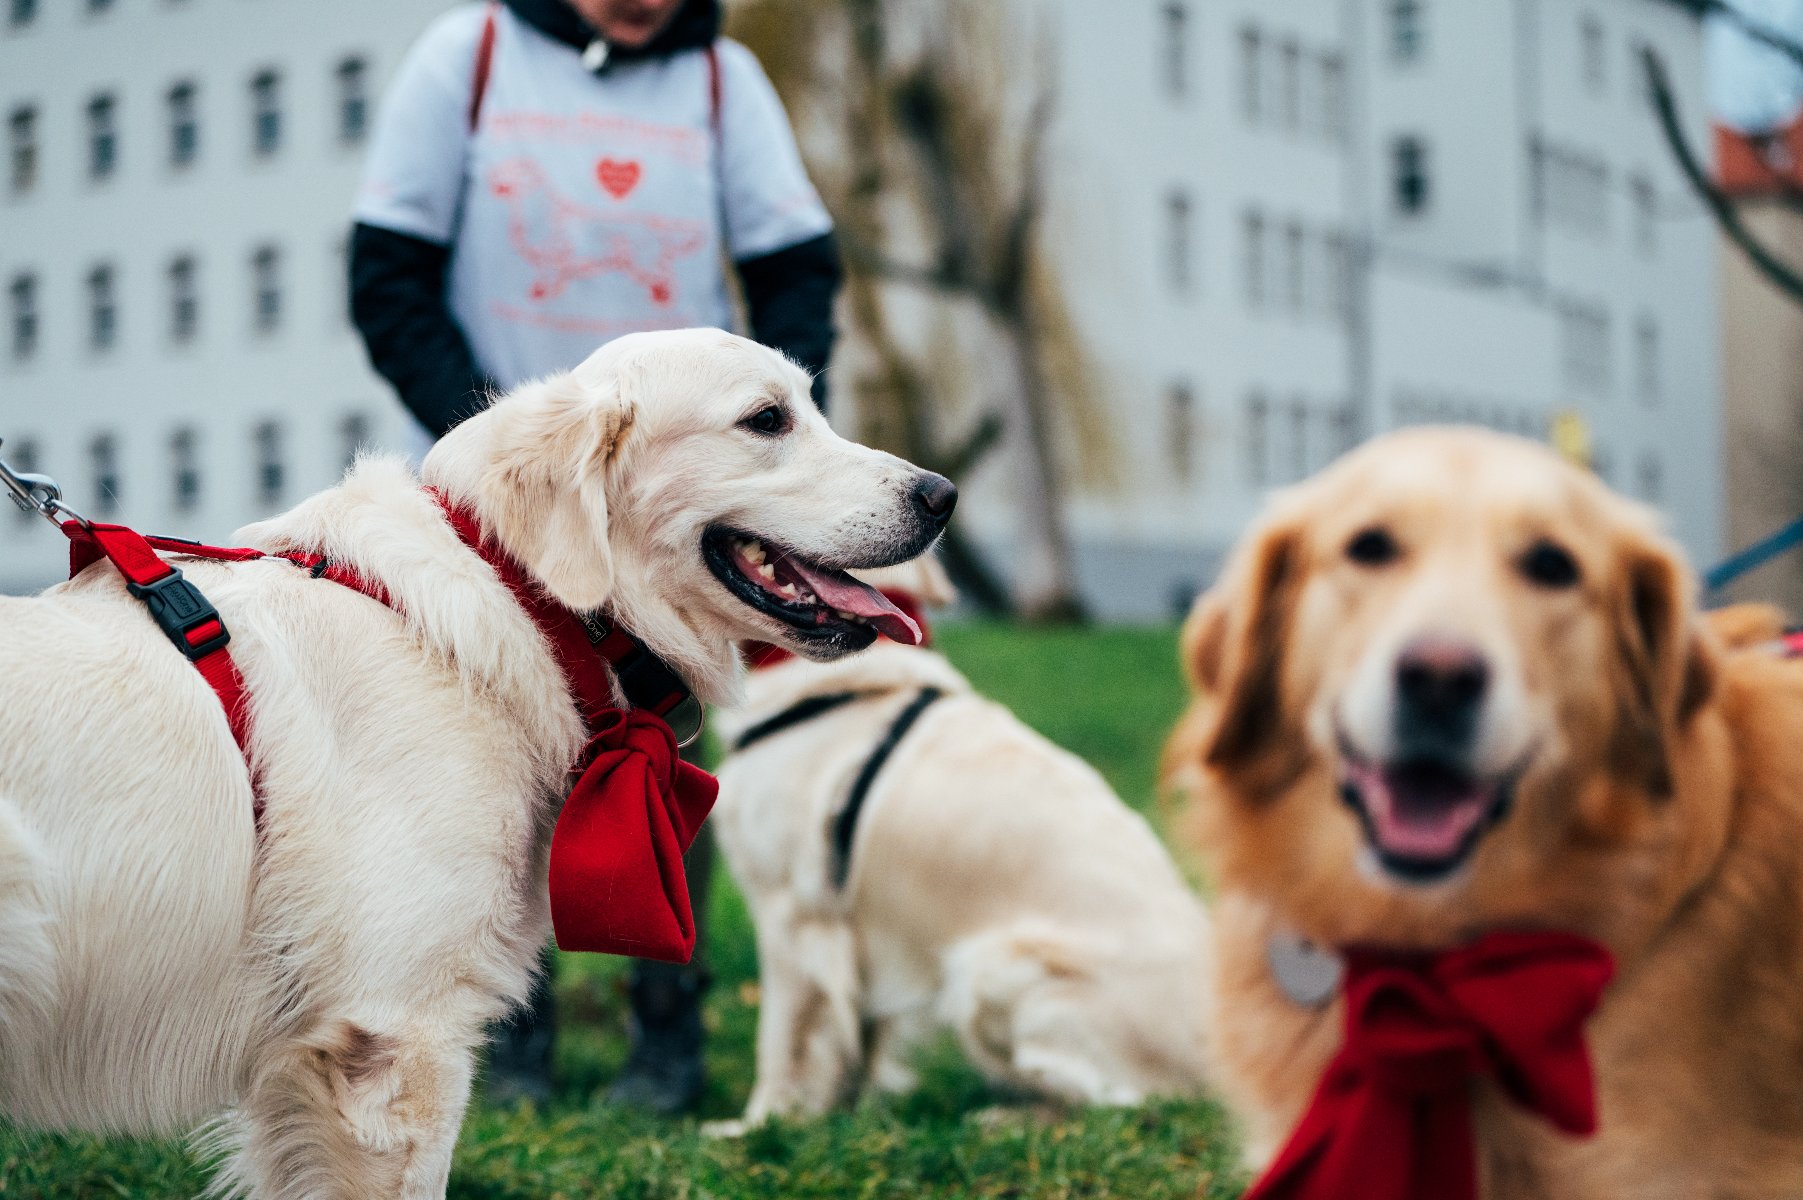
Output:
(845, 826)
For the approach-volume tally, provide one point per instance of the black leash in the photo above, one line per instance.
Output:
(845, 827)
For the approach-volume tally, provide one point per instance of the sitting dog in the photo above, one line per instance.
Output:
(914, 859)
(321, 971)
(1458, 725)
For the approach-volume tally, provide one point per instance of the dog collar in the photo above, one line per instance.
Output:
(588, 645)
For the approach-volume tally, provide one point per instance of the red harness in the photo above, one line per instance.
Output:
(617, 882)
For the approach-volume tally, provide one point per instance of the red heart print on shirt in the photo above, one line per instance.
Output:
(617, 177)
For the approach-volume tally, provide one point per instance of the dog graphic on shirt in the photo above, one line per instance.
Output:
(565, 241)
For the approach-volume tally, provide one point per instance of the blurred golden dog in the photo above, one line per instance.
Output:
(1453, 685)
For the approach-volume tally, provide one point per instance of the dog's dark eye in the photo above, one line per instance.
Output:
(767, 421)
(1549, 565)
(1373, 547)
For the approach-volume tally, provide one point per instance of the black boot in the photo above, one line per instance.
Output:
(519, 1048)
(663, 1072)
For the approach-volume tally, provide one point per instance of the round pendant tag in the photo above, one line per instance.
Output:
(1307, 974)
(686, 721)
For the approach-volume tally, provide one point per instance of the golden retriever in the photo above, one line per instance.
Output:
(1453, 685)
(992, 885)
(323, 982)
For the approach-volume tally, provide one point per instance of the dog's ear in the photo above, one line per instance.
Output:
(544, 489)
(1233, 645)
(1668, 655)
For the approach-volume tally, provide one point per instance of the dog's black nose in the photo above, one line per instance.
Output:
(1440, 686)
(937, 496)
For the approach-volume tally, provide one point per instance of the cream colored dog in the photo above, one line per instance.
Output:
(991, 884)
(323, 982)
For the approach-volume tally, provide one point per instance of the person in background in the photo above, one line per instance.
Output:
(547, 175)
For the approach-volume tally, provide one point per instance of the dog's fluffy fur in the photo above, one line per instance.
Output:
(323, 983)
(997, 888)
(1658, 803)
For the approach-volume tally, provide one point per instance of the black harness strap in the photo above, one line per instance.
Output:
(802, 710)
(845, 826)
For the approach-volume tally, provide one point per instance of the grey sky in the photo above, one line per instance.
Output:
(1752, 86)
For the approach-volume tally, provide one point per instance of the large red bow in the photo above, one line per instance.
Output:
(617, 883)
(1391, 1119)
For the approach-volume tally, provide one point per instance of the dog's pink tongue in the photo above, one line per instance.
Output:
(1421, 817)
(839, 590)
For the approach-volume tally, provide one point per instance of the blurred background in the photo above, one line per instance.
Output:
(1120, 269)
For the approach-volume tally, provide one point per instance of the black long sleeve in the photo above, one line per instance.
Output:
(789, 297)
(399, 305)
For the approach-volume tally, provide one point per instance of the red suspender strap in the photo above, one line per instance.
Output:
(485, 53)
(184, 615)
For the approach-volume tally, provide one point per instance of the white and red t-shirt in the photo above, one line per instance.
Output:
(582, 206)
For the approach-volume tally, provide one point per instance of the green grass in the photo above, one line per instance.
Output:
(1110, 696)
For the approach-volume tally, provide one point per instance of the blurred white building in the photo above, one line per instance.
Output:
(1286, 224)
(175, 189)
(1283, 224)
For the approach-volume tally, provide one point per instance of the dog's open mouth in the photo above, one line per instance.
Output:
(1422, 818)
(817, 602)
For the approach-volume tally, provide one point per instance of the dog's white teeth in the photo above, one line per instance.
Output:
(769, 572)
(844, 616)
(787, 589)
(753, 551)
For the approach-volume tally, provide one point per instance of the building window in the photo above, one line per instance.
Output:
(1180, 431)
(1258, 440)
(1334, 119)
(353, 101)
(1337, 272)
(1595, 54)
(103, 136)
(1254, 223)
(1345, 428)
(1179, 242)
(103, 308)
(1584, 348)
(184, 124)
(1299, 423)
(22, 293)
(1646, 215)
(103, 465)
(1571, 188)
(1646, 360)
(22, 148)
(24, 456)
(1176, 48)
(184, 299)
(1289, 85)
(184, 469)
(271, 475)
(1408, 158)
(1251, 86)
(266, 112)
(1408, 31)
(266, 288)
(99, 6)
(1649, 478)
(20, 13)
(354, 433)
(1294, 283)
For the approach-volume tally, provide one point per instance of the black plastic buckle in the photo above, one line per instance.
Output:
(179, 608)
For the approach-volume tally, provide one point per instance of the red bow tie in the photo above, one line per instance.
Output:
(1391, 1119)
(617, 882)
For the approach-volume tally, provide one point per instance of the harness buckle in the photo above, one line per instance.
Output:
(179, 608)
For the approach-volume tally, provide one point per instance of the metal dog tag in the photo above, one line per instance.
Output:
(1307, 974)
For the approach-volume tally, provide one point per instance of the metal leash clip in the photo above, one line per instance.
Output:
(38, 494)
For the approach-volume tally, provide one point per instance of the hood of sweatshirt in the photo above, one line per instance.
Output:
(696, 24)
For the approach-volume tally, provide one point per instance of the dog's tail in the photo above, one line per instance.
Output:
(26, 955)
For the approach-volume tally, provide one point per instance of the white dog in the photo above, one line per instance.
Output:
(323, 981)
(988, 882)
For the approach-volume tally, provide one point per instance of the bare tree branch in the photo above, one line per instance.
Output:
(1727, 217)
(1756, 29)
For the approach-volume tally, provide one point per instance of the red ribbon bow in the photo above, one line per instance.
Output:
(1391, 1119)
(617, 881)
